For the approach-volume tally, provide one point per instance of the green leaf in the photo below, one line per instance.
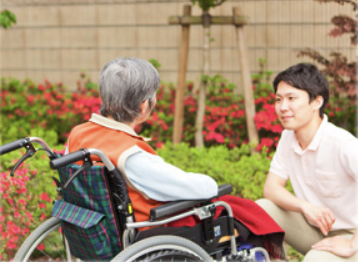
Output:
(7, 18)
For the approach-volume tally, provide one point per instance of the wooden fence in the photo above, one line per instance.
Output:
(58, 39)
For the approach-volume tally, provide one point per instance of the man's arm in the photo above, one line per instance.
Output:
(275, 190)
(339, 245)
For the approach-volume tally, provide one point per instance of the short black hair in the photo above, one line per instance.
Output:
(306, 77)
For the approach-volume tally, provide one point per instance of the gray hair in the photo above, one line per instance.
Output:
(124, 84)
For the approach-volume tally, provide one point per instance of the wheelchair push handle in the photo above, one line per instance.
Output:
(68, 159)
(117, 182)
(82, 154)
(27, 143)
(4, 149)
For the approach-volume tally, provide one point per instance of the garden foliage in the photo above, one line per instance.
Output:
(27, 107)
(341, 73)
(49, 111)
(26, 199)
(245, 173)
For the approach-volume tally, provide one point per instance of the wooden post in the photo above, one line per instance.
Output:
(179, 95)
(247, 83)
(185, 21)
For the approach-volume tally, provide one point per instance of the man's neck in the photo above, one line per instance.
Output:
(306, 134)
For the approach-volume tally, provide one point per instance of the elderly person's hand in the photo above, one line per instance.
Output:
(338, 245)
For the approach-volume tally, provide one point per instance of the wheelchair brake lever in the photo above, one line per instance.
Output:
(30, 151)
(86, 164)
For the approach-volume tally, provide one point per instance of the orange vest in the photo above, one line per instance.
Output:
(114, 143)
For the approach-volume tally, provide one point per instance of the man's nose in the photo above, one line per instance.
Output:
(283, 105)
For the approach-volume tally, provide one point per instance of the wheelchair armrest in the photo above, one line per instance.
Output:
(176, 206)
(224, 189)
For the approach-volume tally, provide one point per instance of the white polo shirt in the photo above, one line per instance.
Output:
(325, 173)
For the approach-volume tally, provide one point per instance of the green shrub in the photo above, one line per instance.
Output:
(235, 166)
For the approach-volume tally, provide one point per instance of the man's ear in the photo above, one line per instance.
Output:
(318, 102)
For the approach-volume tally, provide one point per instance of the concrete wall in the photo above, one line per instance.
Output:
(56, 40)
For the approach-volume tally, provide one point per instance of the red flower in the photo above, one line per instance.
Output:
(215, 136)
(42, 88)
(22, 202)
(267, 142)
(30, 99)
(159, 145)
(42, 217)
(45, 197)
(41, 247)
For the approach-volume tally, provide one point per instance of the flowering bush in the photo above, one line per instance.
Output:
(224, 120)
(47, 111)
(26, 199)
(26, 106)
(266, 120)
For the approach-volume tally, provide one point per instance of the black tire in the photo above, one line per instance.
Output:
(47, 235)
(163, 247)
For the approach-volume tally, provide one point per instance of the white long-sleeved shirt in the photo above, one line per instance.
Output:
(162, 181)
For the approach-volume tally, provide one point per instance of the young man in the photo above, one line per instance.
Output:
(321, 161)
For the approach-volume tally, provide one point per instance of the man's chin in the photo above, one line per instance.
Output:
(287, 127)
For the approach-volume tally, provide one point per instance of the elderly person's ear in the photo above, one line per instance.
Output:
(144, 106)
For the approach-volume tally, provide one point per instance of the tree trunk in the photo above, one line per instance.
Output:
(199, 140)
(246, 78)
(179, 96)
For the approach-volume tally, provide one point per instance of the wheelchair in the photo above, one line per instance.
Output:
(93, 220)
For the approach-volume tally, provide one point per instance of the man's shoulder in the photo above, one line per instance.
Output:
(339, 134)
(287, 135)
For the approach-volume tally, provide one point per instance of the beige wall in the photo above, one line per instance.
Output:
(56, 40)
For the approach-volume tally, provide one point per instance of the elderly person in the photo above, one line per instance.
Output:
(128, 90)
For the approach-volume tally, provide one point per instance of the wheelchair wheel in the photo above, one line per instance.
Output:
(163, 248)
(45, 243)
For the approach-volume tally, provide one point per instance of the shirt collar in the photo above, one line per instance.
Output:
(313, 146)
(112, 124)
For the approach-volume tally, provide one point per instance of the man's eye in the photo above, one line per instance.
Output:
(278, 99)
(291, 98)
